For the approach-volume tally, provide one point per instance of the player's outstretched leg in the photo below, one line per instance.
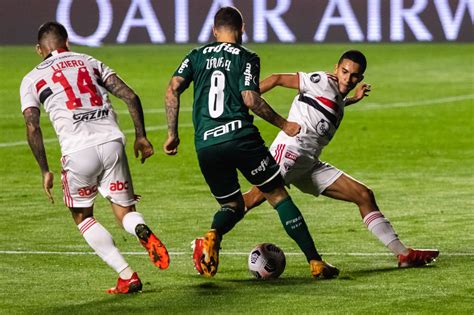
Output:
(295, 226)
(322, 269)
(417, 257)
(134, 224)
(206, 253)
(100, 240)
(125, 286)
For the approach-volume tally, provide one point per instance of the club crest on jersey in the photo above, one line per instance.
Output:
(315, 78)
(91, 115)
(322, 128)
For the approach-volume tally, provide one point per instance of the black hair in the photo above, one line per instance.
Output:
(229, 17)
(356, 56)
(52, 28)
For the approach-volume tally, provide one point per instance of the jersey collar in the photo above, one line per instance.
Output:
(56, 52)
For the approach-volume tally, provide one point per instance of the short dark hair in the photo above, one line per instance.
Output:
(52, 28)
(229, 17)
(356, 56)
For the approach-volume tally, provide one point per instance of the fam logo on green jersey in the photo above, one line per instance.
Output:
(223, 129)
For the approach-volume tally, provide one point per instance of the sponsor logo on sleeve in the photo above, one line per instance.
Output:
(248, 74)
(315, 78)
(183, 66)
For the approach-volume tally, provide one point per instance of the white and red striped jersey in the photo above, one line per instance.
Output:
(70, 87)
(318, 108)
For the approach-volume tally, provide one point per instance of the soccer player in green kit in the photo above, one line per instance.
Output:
(226, 85)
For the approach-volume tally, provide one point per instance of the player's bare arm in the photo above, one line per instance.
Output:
(121, 90)
(172, 103)
(260, 107)
(288, 80)
(35, 140)
(361, 91)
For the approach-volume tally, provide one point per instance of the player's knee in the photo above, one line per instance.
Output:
(366, 195)
(276, 195)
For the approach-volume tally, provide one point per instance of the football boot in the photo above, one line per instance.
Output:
(417, 257)
(156, 249)
(125, 286)
(196, 245)
(208, 260)
(322, 269)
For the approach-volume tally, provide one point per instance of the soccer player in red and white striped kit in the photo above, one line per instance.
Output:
(319, 108)
(73, 89)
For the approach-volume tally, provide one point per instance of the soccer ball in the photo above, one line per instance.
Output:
(266, 261)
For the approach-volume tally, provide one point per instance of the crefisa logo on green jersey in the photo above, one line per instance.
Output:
(224, 46)
(183, 66)
(248, 74)
(223, 129)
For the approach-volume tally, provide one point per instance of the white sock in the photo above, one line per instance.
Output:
(131, 220)
(383, 230)
(100, 240)
(126, 273)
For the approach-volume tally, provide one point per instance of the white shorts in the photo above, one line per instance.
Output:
(102, 168)
(309, 175)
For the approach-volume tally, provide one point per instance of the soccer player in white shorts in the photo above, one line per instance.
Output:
(319, 109)
(73, 89)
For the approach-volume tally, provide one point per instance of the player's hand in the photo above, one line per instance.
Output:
(171, 145)
(143, 146)
(291, 128)
(361, 91)
(48, 179)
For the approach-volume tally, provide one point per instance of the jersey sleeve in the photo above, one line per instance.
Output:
(28, 97)
(101, 70)
(250, 75)
(185, 69)
(310, 82)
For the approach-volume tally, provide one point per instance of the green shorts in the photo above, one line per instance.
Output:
(219, 164)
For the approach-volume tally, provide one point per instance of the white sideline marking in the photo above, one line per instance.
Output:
(371, 106)
(33, 252)
(126, 131)
(366, 106)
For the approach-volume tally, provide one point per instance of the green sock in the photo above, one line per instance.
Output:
(295, 226)
(225, 219)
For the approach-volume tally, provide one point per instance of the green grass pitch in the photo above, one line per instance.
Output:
(411, 141)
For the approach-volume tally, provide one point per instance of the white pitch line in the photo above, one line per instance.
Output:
(126, 131)
(372, 106)
(32, 252)
(364, 107)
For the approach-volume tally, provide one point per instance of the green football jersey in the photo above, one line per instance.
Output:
(220, 71)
